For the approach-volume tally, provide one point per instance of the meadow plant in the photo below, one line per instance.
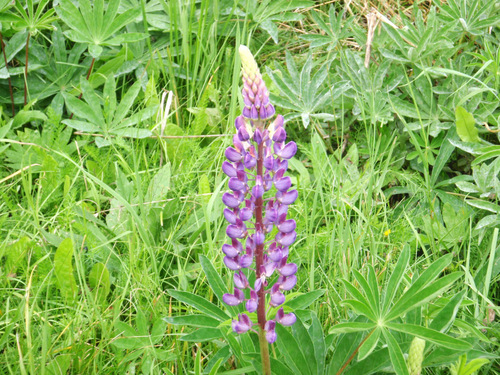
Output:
(257, 162)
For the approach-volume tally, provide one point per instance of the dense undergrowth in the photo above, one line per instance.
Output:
(114, 119)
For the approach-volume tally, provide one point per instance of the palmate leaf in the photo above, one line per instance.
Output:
(199, 303)
(91, 25)
(431, 335)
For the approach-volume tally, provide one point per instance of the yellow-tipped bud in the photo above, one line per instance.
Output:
(416, 356)
(249, 65)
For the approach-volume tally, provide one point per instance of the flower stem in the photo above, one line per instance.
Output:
(259, 260)
(354, 353)
(2, 44)
(264, 352)
(26, 70)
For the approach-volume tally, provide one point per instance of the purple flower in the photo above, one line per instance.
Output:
(257, 162)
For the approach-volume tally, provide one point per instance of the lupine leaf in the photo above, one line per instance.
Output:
(397, 359)
(369, 345)
(305, 300)
(203, 334)
(290, 349)
(318, 339)
(396, 277)
(216, 283)
(361, 308)
(366, 288)
(407, 303)
(349, 327)
(444, 319)
(193, 321)
(199, 303)
(306, 344)
(346, 345)
(431, 335)
(355, 292)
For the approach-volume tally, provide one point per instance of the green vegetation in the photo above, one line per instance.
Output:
(114, 119)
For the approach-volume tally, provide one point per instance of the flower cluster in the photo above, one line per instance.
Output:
(257, 162)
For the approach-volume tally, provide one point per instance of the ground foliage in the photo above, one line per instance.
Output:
(114, 117)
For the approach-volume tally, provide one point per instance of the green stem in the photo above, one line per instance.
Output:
(354, 353)
(26, 70)
(264, 352)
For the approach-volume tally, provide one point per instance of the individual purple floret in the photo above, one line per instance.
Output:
(257, 205)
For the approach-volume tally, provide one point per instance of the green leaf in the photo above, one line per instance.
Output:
(396, 277)
(126, 102)
(215, 281)
(305, 300)
(203, 334)
(302, 336)
(99, 281)
(411, 301)
(369, 345)
(82, 126)
(351, 327)
(444, 319)
(291, 350)
(431, 335)
(466, 128)
(63, 269)
(397, 359)
(484, 205)
(318, 340)
(199, 303)
(193, 321)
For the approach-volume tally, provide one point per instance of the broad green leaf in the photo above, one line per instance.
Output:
(318, 340)
(199, 303)
(303, 337)
(349, 327)
(63, 269)
(203, 334)
(99, 281)
(25, 116)
(397, 359)
(466, 128)
(158, 330)
(193, 321)
(484, 205)
(291, 350)
(431, 335)
(204, 188)
(305, 300)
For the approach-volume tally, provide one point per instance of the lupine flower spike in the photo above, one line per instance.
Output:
(258, 203)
